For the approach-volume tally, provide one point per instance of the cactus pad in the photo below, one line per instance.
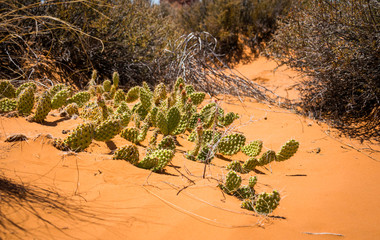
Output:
(145, 98)
(131, 134)
(133, 94)
(59, 99)
(116, 79)
(7, 90)
(128, 153)
(157, 160)
(8, 105)
(245, 192)
(24, 86)
(253, 148)
(167, 143)
(252, 181)
(235, 165)
(72, 109)
(231, 144)
(25, 101)
(107, 85)
(43, 107)
(267, 202)
(119, 97)
(267, 157)
(107, 130)
(197, 97)
(229, 119)
(80, 98)
(233, 182)
(81, 137)
(287, 150)
(250, 164)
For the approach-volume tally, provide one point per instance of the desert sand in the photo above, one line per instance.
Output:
(330, 185)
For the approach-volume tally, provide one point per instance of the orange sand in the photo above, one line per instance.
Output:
(336, 190)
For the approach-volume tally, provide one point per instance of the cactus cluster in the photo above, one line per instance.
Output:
(7, 105)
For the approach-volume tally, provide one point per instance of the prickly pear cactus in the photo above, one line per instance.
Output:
(248, 204)
(7, 90)
(56, 88)
(250, 164)
(25, 101)
(253, 148)
(245, 192)
(197, 97)
(8, 105)
(107, 130)
(122, 108)
(131, 134)
(235, 165)
(43, 107)
(119, 97)
(80, 138)
(189, 89)
(24, 86)
(267, 202)
(178, 83)
(59, 99)
(267, 157)
(229, 119)
(80, 98)
(116, 79)
(287, 150)
(206, 154)
(107, 85)
(133, 94)
(72, 109)
(169, 122)
(252, 181)
(208, 114)
(128, 153)
(231, 144)
(145, 98)
(157, 160)
(159, 93)
(167, 143)
(194, 120)
(232, 182)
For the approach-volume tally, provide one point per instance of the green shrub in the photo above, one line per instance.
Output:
(336, 44)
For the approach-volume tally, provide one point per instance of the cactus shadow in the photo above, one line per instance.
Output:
(54, 123)
(111, 145)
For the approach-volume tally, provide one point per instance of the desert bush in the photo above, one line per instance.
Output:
(336, 44)
(234, 23)
(74, 37)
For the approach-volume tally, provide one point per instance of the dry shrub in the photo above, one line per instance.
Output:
(336, 43)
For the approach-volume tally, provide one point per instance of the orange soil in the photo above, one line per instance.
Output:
(333, 190)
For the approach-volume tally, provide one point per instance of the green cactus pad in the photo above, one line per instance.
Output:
(7, 90)
(167, 143)
(157, 160)
(80, 98)
(189, 89)
(128, 153)
(107, 130)
(287, 150)
(253, 148)
(235, 165)
(59, 99)
(250, 164)
(8, 105)
(56, 88)
(144, 131)
(122, 108)
(81, 137)
(168, 123)
(178, 83)
(252, 181)
(231, 144)
(197, 97)
(131, 134)
(248, 204)
(72, 109)
(107, 85)
(119, 97)
(25, 101)
(229, 119)
(232, 182)
(205, 154)
(267, 202)
(208, 114)
(245, 192)
(116, 79)
(159, 93)
(43, 107)
(194, 120)
(133, 94)
(145, 98)
(24, 86)
(182, 126)
(267, 157)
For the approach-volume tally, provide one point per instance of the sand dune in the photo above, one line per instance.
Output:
(329, 186)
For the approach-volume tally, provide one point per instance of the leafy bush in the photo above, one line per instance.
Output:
(74, 37)
(234, 23)
(336, 43)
